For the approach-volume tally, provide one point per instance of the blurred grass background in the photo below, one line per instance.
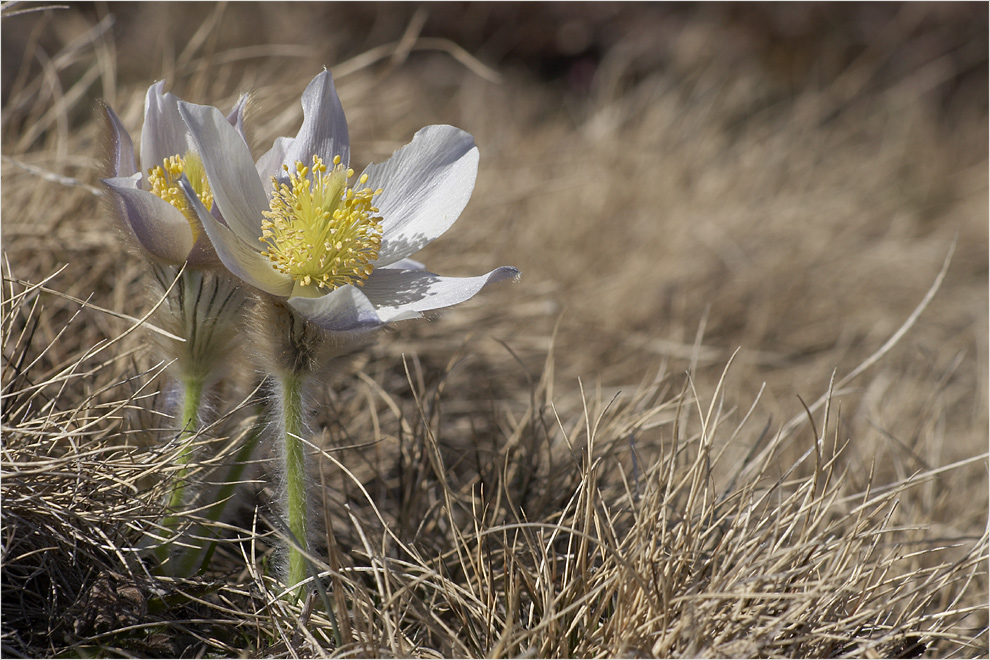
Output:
(785, 179)
(675, 182)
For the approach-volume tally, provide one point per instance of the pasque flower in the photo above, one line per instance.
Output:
(153, 209)
(201, 300)
(327, 249)
(155, 212)
(298, 224)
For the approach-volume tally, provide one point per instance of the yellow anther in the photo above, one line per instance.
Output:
(164, 182)
(319, 230)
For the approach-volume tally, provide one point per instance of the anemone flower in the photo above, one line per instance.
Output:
(294, 227)
(155, 213)
(202, 301)
(326, 252)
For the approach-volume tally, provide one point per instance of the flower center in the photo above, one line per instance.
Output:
(319, 230)
(164, 181)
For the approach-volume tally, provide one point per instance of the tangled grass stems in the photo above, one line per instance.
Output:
(779, 559)
(65, 474)
(632, 544)
(81, 486)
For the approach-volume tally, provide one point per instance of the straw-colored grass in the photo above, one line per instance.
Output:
(736, 407)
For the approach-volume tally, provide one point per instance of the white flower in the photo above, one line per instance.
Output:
(202, 305)
(153, 209)
(294, 227)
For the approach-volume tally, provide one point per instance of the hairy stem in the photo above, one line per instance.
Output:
(192, 396)
(294, 455)
(191, 399)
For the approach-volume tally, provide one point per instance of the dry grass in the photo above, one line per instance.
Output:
(684, 433)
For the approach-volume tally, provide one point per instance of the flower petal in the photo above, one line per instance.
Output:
(399, 294)
(425, 186)
(159, 227)
(237, 190)
(270, 164)
(323, 132)
(121, 154)
(163, 134)
(242, 259)
(324, 128)
(345, 309)
(236, 116)
(406, 264)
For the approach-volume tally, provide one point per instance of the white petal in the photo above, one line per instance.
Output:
(237, 190)
(426, 184)
(236, 116)
(397, 293)
(270, 164)
(159, 227)
(406, 264)
(345, 309)
(242, 259)
(324, 128)
(163, 134)
(121, 157)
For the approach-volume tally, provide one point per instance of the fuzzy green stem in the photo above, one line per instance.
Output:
(295, 475)
(187, 563)
(192, 397)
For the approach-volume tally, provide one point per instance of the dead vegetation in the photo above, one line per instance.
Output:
(708, 421)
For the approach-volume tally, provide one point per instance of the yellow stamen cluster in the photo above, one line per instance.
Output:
(319, 230)
(164, 181)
